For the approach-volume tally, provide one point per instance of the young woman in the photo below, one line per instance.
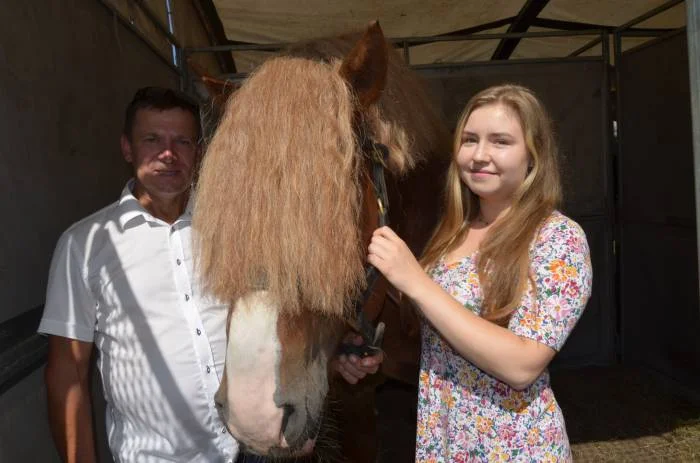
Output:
(508, 277)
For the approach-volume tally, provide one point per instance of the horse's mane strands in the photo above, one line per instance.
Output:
(282, 170)
(404, 119)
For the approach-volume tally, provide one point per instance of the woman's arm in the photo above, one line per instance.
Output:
(515, 360)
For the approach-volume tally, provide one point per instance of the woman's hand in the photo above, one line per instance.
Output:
(390, 255)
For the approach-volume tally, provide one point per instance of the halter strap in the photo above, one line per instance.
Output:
(372, 336)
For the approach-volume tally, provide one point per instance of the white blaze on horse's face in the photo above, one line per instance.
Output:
(252, 356)
(274, 404)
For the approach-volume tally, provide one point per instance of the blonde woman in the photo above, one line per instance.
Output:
(508, 277)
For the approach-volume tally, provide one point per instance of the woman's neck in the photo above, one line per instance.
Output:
(490, 211)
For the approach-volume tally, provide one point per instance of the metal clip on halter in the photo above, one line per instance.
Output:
(365, 349)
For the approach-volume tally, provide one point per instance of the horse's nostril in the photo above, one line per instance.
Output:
(289, 410)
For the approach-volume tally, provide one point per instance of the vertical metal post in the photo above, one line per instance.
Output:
(619, 222)
(693, 28)
(171, 28)
(609, 179)
(184, 74)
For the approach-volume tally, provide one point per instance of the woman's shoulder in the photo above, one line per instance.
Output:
(560, 228)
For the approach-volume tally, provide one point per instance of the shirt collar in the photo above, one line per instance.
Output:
(130, 208)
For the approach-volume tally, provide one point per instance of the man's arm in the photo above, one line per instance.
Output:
(69, 404)
(351, 367)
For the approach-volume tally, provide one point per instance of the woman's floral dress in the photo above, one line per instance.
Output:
(467, 415)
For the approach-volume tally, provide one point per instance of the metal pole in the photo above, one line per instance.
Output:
(155, 20)
(410, 41)
(693, 30)
(619, 228)
(608, 176)
(171, 29)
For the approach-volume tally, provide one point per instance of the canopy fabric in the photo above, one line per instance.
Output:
(284, 21)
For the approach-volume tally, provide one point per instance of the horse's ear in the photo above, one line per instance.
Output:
(365, 67)
(219, 90)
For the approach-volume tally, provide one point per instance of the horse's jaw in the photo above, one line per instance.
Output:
(267, 409)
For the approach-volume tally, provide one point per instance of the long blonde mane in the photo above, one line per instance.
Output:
(278, 199)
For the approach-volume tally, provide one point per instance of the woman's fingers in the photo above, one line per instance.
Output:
(384, 245)
(386, 232)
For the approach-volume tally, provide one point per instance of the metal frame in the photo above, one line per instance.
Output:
(401, 40)
(628, 25)
(610, 181)
(406, 42)
(619, 245)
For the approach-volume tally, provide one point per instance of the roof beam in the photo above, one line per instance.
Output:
(578, 26)
(215, 32)
(481, 27)
(522, 23)
(566, 25)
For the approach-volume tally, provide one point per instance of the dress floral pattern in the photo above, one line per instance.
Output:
(467, 415)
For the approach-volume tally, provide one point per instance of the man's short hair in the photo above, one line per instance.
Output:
(161, 99)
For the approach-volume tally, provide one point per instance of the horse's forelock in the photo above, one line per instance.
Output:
(278, 197)
(281, 174)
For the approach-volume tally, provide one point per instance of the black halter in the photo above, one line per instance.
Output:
(372, 336)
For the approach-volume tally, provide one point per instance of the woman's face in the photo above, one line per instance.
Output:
(492, 158)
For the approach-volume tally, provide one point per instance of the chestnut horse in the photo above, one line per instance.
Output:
(285, 206)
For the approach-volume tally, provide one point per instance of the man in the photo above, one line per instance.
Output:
(121, 280)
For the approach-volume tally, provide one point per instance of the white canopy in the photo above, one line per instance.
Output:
(284, 21)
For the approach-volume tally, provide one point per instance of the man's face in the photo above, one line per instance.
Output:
(163, 150)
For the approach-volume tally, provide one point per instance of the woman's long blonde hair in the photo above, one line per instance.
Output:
(503, 259)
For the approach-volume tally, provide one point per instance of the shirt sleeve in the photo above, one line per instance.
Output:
(561, 272)
(70, 309)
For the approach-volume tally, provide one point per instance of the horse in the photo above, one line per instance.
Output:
(285, 205)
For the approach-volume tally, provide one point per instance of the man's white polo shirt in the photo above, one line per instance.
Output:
(124, 280)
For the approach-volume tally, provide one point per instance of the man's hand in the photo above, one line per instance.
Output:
(352, 367)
